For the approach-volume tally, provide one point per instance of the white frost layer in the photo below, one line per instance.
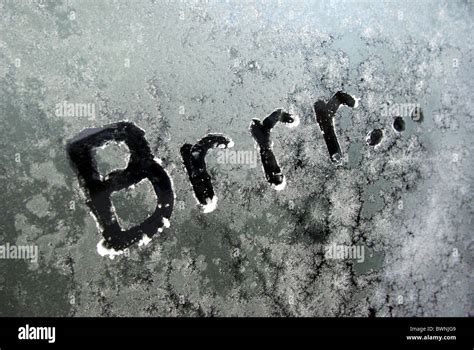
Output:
(210, 206)
(144, 241)
(280, 186)
(295, 123)
(112, 253)
(356, 103)
(121, 145)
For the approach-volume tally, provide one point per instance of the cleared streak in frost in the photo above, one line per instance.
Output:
(261, 133)
(325, 113)
(194, 161)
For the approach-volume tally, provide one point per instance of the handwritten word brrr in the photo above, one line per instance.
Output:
(143, 165)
